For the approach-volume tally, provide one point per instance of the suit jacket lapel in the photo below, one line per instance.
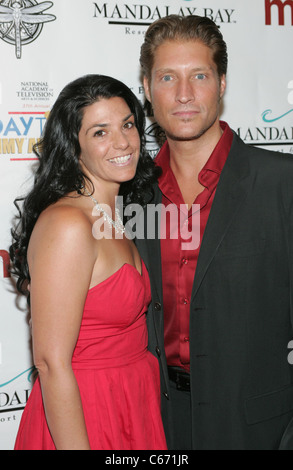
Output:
(151, 254)
(231, 192)
(151, 251)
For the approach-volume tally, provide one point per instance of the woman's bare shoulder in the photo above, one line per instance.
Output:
(63, 224)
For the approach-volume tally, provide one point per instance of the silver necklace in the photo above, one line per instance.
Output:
(117, 223)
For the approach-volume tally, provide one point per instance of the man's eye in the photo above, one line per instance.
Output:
(167, 78)
(200, 76)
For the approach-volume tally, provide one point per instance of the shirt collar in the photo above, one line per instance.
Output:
(214, 164)
(220, 153)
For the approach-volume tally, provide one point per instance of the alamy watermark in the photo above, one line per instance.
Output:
(150, 222)
(156, 221)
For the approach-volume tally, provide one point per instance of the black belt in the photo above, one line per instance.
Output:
(180, 377)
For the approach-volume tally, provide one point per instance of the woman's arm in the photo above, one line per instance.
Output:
(61, 259)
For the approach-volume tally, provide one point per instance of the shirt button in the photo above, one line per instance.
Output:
(158, 351)
(186, 339)
(158, 306)
(185, 301)
(185, 261)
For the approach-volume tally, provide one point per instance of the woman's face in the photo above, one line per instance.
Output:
(109, 141)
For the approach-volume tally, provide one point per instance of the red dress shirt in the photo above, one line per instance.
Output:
(178, 260)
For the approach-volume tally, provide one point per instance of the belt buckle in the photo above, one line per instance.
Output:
(182, 382)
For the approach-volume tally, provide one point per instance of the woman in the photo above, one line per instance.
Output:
(97, 386)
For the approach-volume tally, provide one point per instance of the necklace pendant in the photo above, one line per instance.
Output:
(117, 224)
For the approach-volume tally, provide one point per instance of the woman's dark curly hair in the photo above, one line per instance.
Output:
(59, 171)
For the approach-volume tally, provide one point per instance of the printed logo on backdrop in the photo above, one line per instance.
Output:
(5, 261)
(15, 390)
(22, 127)
(19, 132)
(132, 16)
(155, 138)
(14, 394)
(276, 9)
(276, 130)
(21, 22)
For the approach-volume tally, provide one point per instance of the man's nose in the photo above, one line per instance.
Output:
(185, 91)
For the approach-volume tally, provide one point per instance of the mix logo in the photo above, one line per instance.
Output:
(4, 256)
(21, 21)
(281, 5)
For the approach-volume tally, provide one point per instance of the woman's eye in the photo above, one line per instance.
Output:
(100, 133)
(129, 125)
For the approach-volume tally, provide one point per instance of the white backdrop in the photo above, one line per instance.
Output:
(56, 42)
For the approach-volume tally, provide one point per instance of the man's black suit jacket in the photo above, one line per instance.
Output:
(241, 308)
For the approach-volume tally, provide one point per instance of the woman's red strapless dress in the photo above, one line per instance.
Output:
(118, 377)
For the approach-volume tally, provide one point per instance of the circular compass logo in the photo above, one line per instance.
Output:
(21, 21)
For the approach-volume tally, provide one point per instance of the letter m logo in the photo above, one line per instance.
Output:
(6, 262)
(281, 4)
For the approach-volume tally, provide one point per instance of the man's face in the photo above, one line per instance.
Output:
(185, 89)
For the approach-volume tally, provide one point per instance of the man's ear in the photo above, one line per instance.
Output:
(146, 85)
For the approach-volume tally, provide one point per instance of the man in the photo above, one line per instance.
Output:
(221, 314)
